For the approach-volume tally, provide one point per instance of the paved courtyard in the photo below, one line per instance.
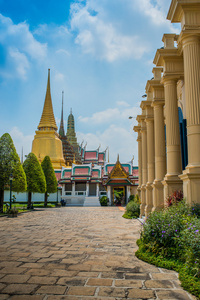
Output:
(78, 253)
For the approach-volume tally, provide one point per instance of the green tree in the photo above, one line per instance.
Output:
(10, 163)
(36, 182)
(50, 176)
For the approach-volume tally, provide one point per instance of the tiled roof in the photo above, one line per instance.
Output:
(135, 172)
(67, 173)
(90, 155)
(101, 156)
(96, 174)
(81, 171)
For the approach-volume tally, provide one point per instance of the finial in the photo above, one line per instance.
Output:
(108, 156)
(71, 111)
(118, 157)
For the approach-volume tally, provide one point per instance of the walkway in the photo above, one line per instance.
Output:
(80, 253)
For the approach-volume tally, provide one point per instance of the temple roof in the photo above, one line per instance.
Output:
(47, 119)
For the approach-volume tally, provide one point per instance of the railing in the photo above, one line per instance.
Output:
(68, 193)
(80, 193)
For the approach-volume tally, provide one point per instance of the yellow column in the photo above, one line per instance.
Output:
(191, 176)
(144, 165)
(159, 137)
(150, 159)
(139, 140)
(160, 155)
(174, 166)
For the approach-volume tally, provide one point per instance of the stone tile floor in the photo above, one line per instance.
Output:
(78, 253)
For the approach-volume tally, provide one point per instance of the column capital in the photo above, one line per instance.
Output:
(137, 128)
(184, 12)
(158, 103)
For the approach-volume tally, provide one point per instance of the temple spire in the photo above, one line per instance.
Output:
(62, 130)
(47, 120)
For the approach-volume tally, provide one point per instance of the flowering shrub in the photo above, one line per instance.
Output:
(171, 239)
(189, 240)
(175, 198)
(196, 210)
(174, 233)
(162, 228)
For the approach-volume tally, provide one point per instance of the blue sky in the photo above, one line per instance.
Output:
(100, 54)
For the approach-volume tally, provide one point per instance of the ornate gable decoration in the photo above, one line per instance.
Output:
(118, 171)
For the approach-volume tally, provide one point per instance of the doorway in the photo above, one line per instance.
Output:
(119, 196)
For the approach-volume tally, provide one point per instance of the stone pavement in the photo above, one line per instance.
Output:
(78, 253)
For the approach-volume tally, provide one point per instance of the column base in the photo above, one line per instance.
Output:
(158, 195)
(191, 184)
(171, 184)
(143, 200)
(149, 199)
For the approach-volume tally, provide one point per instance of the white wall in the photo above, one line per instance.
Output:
(36, 197)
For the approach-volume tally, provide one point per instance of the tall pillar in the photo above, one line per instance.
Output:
(144, 165)
(159, 138)
(139, 140)
(128, 193)
(73, 188)
(160, 156)
(150, 156)
(191, 176)
(63, 190)
(109, 194)
(171, 180)
(172, 62)
(87, 189)
(97, 190)
(187, 13)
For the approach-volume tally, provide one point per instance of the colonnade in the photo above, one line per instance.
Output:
(175, 87)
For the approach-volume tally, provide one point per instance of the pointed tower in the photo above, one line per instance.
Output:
(68, 151)
(46, 140)
(71, 136)
(62, 130)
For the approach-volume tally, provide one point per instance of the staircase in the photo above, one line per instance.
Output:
(91, 201)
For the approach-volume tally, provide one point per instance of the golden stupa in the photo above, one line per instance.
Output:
(46, 140)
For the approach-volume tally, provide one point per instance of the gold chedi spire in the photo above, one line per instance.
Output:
(46, 140)
(47, 120)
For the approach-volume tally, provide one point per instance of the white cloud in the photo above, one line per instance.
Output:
(156, 11)
(59, 76)
(21, 141)
(20, 61)
(20, 46)
(111, 115)
(100, 38)
(63, 51)
(119, 140)
(123, 103)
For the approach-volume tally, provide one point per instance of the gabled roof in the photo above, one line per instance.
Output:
(81, 170)
(91, 155)
(118, 171)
